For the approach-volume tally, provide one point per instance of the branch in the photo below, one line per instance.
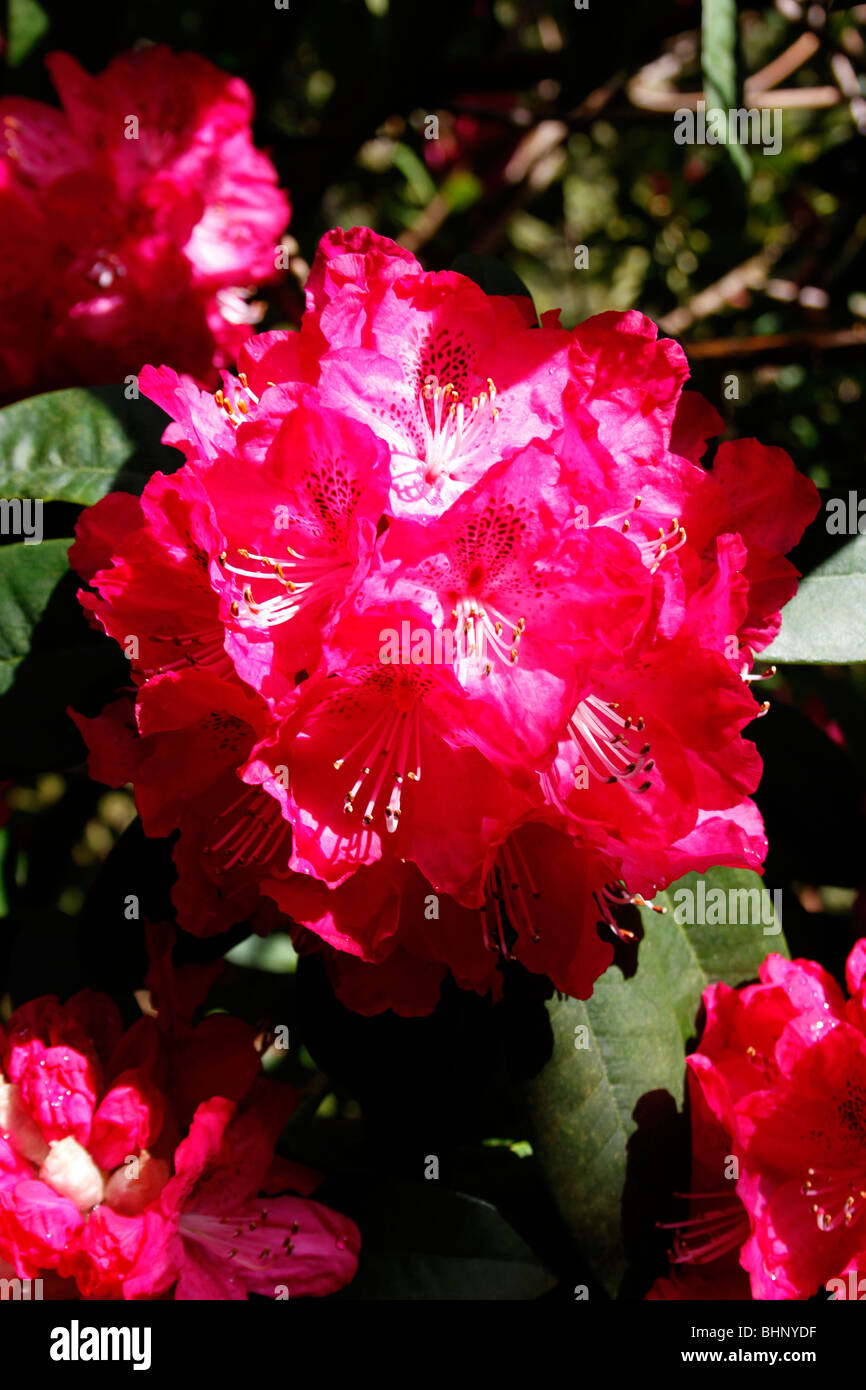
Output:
(752, 274)
(778, 345)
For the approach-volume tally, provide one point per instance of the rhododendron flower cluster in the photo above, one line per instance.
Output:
(134, 222)
(778, 1106)
(423, 461)
(133, 1163)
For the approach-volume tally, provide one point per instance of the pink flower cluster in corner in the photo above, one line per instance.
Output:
(140, 1162)
(422, 455)
(778, 1106)
(134, 222)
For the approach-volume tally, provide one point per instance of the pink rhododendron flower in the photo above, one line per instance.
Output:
(135, 1163)
(134, 222)
(503, 550)
(390, 939)
(778, 1084)
(445, 631)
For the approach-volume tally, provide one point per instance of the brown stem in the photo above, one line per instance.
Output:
(778, 345)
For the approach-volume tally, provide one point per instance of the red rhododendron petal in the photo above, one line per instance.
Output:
(152, 240)
(423, 461)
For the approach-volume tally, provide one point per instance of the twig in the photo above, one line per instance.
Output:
(531, 167)
(810, 98)
(426, 224)
(650, 89)
(752, 274)
(775, 345)
(786, 63)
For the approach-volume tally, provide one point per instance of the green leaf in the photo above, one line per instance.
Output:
(28, 576)
(273, 954)
(462, 189)
(492, 275)
(27, 24)
(77, 445)
(414, 171)
(719, 69)
(425, 1241)
(825, 621)
(582, 1104)
(49, 658)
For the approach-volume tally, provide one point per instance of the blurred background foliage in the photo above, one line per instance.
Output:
(553, 131)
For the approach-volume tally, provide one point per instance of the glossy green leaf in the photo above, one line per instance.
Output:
(825, 622)
(50, 658)
(77, 445)
(583, 1102)
(28, 577)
